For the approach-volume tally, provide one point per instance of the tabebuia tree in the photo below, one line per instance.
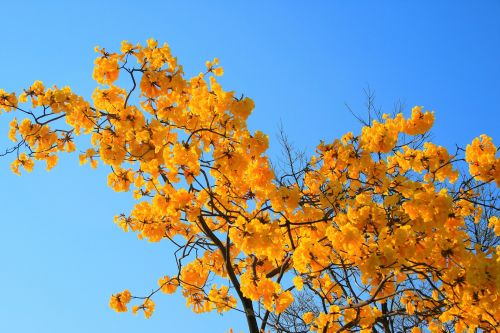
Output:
(379, 231)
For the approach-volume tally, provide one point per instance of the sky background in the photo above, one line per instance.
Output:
(61, 256)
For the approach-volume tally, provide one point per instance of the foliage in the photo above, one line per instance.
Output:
(376, 232)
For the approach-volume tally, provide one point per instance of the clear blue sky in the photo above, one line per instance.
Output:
(61, 256)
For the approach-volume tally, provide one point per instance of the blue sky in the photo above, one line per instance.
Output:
(61, 256)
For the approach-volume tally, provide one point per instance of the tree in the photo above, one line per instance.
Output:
(375, 232)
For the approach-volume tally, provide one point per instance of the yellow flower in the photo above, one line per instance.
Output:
(494, 223)
(483, 163)
(168, 285)
(118, 302)
(148, 307)
(219, 71)
(13, 130)
(298, 282)
(308, 317)
(419, 123)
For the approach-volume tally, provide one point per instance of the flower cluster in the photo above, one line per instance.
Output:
(370, 220)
